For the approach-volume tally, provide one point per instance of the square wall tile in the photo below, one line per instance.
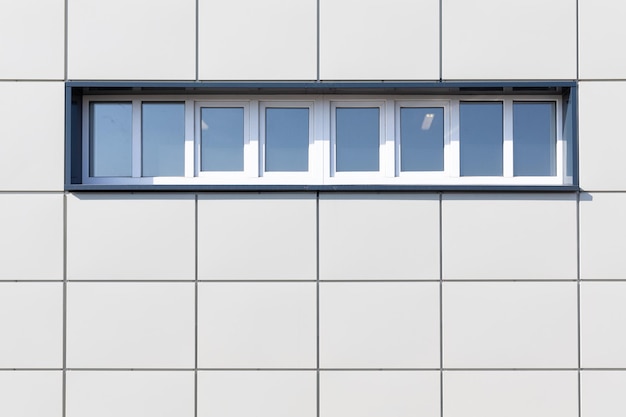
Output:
(602, 236)
(257, 325)
(130, 236)
(31, 241)
(510, 393)
(31, 393)
(31, 324)
(379, 325)
(601, 145)
(257, 393)
(602, 393)
(257, 40)
(131, 39)
(130, 394)
(603, 324)
(509, 39)
(257, 236)
(32, 117)
(372, 236)
(32, 33)
(130, 325)
(601, 36)
(379, 393)
(509, 236)
(510, 325)
(366, 39)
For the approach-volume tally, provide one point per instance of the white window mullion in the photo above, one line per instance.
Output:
(507, 144)
(452, 147)
(136, 145)
(387, 151)
(190, 146)
(252, 148)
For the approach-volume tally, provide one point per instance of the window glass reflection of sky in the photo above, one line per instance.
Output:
(163, 139)
(534, 138)
(222, 139)
(481, 138)
(286, 139)
(110, 139)
(421, 139)
(358, 138)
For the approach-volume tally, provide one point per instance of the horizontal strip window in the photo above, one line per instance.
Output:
(326, 140)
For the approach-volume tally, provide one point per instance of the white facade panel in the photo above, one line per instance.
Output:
(602, 324)
(31, 393)
(379, 325)
(602, 235)
(368, 40)
(379, 393)
(31, 136)
(256, 236)
(130, 394)
(379, 237)
(32, 33)
(125, 236)
(131, 39)
(510, 393)
(508, 40)
(602, 145)
(257, 40)
(601, 37)
(257, 325)
(603, 393)
(31, 237)
(31, 324)
(509, 236)
(130, 325)
(257, 393)
(509, 325)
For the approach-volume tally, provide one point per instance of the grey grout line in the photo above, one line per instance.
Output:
(317, 75)
(441, 45)
(64, 342)
(65, 39)
(197, 40)
(579, 388)
(577, 43)
(441, 302)
(383, 281)
(195, 373)
(317, 296)
(364, 369)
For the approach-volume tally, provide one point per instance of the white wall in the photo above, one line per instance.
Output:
(279, 303)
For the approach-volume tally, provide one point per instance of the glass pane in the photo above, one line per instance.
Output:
(110, 137)
(534, 139)
(358, 138)
(222, 139)
(421, 139)
(287, 139)
(481, 138)
(568, 135)
(163, 139)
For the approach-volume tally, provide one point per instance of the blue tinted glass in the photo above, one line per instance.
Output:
(163, 139)
(358, 138)
(222, 139)
(534, 139)
(421, 139)
(110, 139)
(286, 139)
(481, 138)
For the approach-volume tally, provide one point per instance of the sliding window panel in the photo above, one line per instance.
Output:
(421, 144)
(163, 139)
(534, 138)
(286, 139)
(357, 139)
(222, 137)
(481, 136)
(110, 139)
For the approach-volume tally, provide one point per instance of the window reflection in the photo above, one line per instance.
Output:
(163, 139)
(534, 138)
(481, 137)
(421, 139)
(358, 138)
(222, 139)
(287, 139)
(110, 139)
